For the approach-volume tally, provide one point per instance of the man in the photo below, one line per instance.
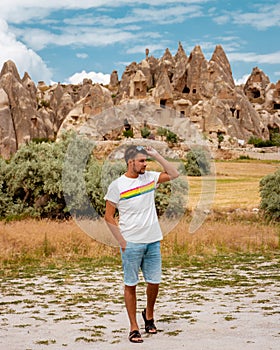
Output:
(138, 231)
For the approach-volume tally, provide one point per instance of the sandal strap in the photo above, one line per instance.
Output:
(135, 337)
(149, 324)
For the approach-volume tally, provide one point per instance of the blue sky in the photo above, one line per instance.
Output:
(68, 40)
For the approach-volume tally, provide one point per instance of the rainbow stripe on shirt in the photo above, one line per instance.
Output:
(137, 191)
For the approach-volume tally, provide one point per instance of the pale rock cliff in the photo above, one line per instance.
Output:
(192, 88)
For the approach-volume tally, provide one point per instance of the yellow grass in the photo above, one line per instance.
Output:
(49, 239)
(46, 240)
(235, 184)
(223, 236)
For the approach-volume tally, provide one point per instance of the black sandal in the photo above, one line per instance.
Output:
(150, 327)
(135, 336)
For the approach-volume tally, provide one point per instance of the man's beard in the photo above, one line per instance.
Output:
(140, 172)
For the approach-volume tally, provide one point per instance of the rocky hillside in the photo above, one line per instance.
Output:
(200, 91)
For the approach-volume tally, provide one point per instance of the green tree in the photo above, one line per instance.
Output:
(57, 179)
(171, 137)
(128, 133)
(198, 162)
(275, 139)
(169, 198)
(5, 197)
(33, 179)
(270, 195)
(220, 139)
(259, 143)
(145, 132)
(161, 132)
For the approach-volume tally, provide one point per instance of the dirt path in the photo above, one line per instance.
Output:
(221, 309)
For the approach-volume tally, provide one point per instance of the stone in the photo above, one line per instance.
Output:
(114, 80)
(180, 90)
(22, 109)
(179, 79)
(255, 86)
(97, 100)
(8, 141)
(138, 85)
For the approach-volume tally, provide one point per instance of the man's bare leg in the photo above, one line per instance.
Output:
(152, 293)
(131, 303)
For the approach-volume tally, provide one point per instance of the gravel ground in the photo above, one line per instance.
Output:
(209, 308)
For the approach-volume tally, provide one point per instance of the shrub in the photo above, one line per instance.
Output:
(182, 168)
(5, 197)
(161, 131)
(169, 198)
(270, 195)
(145, 132)
(198, 162)
(171, 137)
(33, 180)
(55, 179)
(259, 143)
(243, 157)
(275, 139)
(128, 133)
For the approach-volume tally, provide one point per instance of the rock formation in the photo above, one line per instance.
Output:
(201, 91)
(18, 116)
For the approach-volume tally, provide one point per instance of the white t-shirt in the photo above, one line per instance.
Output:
(135, 200)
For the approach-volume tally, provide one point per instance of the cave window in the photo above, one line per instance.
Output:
(256, 93)
(232, 111)
(194, 91)
(186, 90)
(163, 103)
(276, 106)
(182, 114)
(273, 131)
(126, 125)
(238, 114)
(34, 121)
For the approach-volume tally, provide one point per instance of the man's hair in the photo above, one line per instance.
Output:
(132, 151)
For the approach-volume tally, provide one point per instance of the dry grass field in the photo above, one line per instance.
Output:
(226, 230)
(236, 184)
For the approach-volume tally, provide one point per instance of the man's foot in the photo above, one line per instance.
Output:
(150, 327)
(135, 336)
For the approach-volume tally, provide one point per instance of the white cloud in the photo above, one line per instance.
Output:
(25, 59)
(82, 55)
(18, 11)
(265, 17)
(241, 80)
(167, 15)
(88, 36)
(78, 78)
(223, 19)
(270, 58)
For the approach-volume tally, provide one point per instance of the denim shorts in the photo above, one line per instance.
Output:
(141, 256)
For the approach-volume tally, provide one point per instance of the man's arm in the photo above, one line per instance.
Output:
(111, 223)
(170, 171)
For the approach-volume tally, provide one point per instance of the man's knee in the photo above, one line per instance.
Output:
(130, 289)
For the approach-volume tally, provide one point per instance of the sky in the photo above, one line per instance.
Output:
(67, 41)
